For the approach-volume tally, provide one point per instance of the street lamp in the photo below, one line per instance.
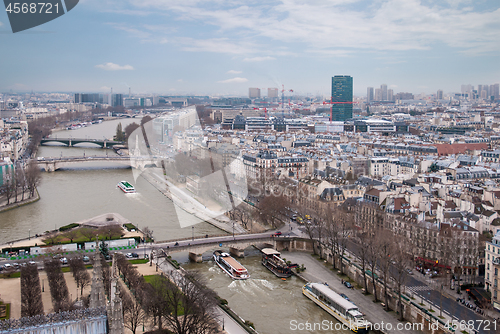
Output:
(233, 232)
(43, 286)
(29, 234)
(192, 229)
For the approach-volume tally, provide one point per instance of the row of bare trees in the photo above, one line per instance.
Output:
(19, 181)
(80, 273)
(58, 288)
(184, 305)
(31, 294)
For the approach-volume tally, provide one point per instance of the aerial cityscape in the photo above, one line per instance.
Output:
(224, 167)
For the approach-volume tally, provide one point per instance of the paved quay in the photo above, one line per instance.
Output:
(318, 272)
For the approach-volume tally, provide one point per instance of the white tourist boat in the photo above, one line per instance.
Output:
(343, 310)
(126, 187)
(230, 266)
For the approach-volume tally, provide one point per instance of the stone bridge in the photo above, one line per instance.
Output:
(53, 164)
(236, 245)
(70, 142)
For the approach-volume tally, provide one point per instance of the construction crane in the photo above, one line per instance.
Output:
(283, 99)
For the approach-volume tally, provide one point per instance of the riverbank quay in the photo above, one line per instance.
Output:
(189, 204)
(6, 207)
(226, 320)
(97, 222)
(374, 312)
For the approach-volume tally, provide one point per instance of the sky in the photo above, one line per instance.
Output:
(223, 47)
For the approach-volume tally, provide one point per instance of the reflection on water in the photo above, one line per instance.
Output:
(267, 301)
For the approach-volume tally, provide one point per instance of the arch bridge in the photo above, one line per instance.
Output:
(53, 164)
(70, 142)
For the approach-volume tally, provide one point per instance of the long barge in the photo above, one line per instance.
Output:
(341, 309)
(271, 259)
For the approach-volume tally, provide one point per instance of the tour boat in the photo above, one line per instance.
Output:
(343, 310)
(271, 260)
(230, 266)
(126, 187)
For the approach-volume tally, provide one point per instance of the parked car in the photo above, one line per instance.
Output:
(64, 260)
(16, 265)
(409, 272)
(348, 285)
(344, 296)
(31, 263)
(135, 255)
(8, 266)
(86, 259)
(128, 255)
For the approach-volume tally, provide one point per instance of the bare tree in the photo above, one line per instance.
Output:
(402, 260)
(338, 229)
(88, 233)
(71, 234)
(8, 187)
(385, 247)
(33, 177)
(373, 256)
(110, 231)
(191, 306)
(31, 294)
(51, 238)
(20, 181)
(134, 314)
(148, 233)
(363, 239)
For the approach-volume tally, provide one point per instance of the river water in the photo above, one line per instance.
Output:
(264, 299)
(85, 191)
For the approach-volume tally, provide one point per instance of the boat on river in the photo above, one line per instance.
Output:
(343, 310)
(271, 259)
(126, 187)
(230, 266)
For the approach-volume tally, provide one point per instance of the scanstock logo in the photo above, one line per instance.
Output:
(26, 14)
(202, 173)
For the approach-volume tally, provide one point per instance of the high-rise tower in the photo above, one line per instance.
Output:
(341, 98)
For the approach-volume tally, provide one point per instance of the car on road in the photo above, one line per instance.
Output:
(135, 255)
(8, 266)
(128, 255)
(345, 297)
(31, 263)
(86, 259)
(63, 260)
(277, 234)
(16, 265)
(348, 285)
(409, 271)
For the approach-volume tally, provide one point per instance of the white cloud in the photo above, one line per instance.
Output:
(114, 67)
(233, 72)
(256, 59)
(234, 80)
(388, 25)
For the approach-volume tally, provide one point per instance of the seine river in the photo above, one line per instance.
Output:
(264, 299)
(86, 191)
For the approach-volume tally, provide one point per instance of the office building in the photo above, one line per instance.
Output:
(390, 95)
(341, 98)
(439, 94)
(117, 100)
(272, 93)
(383, 89)
(369, 94)
(254, 93)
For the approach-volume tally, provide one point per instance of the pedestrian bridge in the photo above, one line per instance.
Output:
(70, 142)
(53, 164)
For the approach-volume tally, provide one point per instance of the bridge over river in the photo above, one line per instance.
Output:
(70, 142)
(235, 244)
(53, 164)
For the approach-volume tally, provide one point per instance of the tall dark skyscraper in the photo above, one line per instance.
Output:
(341, 98)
